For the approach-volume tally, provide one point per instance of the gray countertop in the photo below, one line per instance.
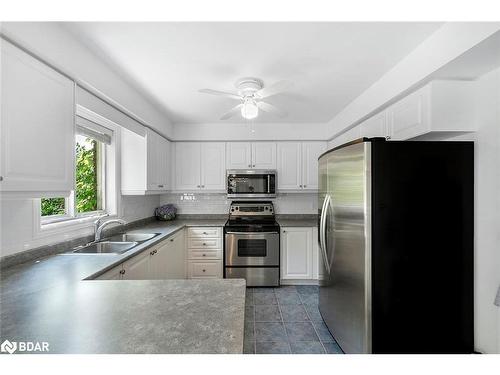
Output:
(298, 222)
(46, 300)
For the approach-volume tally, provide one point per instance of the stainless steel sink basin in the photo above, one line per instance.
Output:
(106, 247)
(134, 237)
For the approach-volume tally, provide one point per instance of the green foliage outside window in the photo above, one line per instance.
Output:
(86, 195)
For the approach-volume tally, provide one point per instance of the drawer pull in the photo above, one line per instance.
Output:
(204, 244)
(204, 254)
(171, 240)
(204, 270)
(204, 232)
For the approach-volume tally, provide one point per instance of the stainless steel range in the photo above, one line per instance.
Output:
(252, 243)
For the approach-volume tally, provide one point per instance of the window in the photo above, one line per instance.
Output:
(88, 198)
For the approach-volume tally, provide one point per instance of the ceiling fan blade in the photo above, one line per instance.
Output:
(220, 93)
(266, 107)
(232, 112)
(274, 89)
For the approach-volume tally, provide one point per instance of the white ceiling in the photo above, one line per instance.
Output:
(330, 64)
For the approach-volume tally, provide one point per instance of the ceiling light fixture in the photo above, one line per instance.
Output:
(249, 110)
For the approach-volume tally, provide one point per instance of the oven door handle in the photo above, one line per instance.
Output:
(251, 233)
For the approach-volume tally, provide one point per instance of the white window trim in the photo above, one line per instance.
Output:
(111, 200)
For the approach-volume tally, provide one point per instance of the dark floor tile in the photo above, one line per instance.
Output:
(262, 290)
(332, 348)
(307, 289)
(270, 347)
(323, 332)
(309, 299)
(289, 299)
(249, 330)
(301, 332)
(264, 299)
(248, 347)
(285, 289)
(293, 313)
(270, 332)
(249, 299)
(307, 347)
(267, 313)
(249, 313)
(313, 312)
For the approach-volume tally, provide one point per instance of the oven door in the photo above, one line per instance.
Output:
(252, 249)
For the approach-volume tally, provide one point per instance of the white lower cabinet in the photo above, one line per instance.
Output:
(113, 274)
(300, 258)
(204, 249)
(138, 267)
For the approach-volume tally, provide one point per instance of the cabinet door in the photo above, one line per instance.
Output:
(310, 153)
(264, 155)
(289, 166)
(187, 165)
(375, 126)
(297, 254)
(153, 160)
(408, 117)
(213, 165)
(169, 261)
(37, 126)
(138, 267)
(238, 155)
(166, 163)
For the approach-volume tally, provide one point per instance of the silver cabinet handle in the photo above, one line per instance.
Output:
(171, 240)
(204, 270)
(204, 255)
(1, 178)
(204, 244)
(160, 186)
(305, 186)
(204, 232)
(202, 186)
(122, 272)
(254, 165)
(198, 186)
(249, 165)
(300, 185)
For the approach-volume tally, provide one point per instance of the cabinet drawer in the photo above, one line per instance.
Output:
(200, 270)
(204, 243)
(202, 232)
(205, 254)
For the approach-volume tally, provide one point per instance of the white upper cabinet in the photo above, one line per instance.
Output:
(310, 154)
(298, 165)
(213, 165)
(245, 155)
(145, 163)
(239, 155)
(37, 127)
(187, 165)
(264, 155)
(200, 165)
(440, 106)
(289, 166)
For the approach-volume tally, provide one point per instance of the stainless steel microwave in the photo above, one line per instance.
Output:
(251, 183)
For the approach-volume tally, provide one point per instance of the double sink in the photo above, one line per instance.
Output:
(117, 244)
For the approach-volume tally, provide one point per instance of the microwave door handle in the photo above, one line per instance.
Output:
(268, 184)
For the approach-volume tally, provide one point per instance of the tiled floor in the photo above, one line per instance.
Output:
(286, 320)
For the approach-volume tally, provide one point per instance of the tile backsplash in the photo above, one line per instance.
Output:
(218, 203)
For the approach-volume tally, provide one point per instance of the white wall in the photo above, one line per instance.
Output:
(56, 45)
(302, 203)
(487, 212)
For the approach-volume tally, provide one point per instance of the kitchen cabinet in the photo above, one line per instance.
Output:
(298, 165)
(37, 127)
(204, 247)
(138, 267)
(297, 253)
(440, 106)
(168, 260)
(200, 166)
(256, 155)
(145, 163)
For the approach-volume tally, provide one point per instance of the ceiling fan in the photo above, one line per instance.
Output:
(250, 92)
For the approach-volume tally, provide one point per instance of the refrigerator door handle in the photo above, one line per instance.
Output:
(323, 233)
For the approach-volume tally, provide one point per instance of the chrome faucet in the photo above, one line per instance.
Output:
(98, 226)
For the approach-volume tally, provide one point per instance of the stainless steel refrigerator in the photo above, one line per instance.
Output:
(396, 238)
